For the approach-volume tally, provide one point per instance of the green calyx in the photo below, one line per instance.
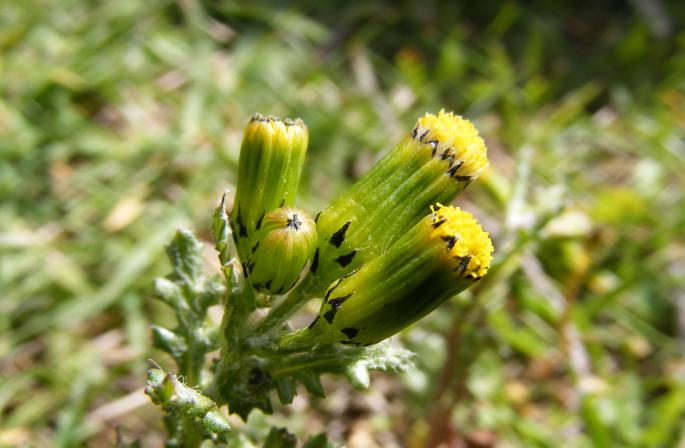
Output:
(284, 245)
(271, 158)
(444, 254)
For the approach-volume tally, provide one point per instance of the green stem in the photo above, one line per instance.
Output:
(192, 434)
(316, 362)
(238, 307)
(240, 302)
(191, 370)
(282, 311)
(301, 340)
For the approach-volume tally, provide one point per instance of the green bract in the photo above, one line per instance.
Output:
(445, 253)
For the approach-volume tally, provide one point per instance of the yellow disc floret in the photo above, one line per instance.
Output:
(455, 138)
(468, 248)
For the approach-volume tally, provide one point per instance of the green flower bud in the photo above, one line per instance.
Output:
(440, 157)
(283, 248)
(445, 253)
(270, 166)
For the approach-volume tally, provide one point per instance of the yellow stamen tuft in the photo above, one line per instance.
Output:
(453, 137)
(469, 248)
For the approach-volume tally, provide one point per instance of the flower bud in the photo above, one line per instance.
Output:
(271, 159)
(445, 253)
(285, 243)
(434, 163)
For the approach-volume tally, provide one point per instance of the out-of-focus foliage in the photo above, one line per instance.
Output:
(120, 121)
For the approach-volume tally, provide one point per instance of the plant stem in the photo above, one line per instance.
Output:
(192, 435)
(279, 313)
(240, 302)
(451, 385)
(300, 340)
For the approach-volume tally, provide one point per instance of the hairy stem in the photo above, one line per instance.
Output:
(283, 310)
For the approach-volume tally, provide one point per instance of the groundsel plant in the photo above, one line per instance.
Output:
(373, 275)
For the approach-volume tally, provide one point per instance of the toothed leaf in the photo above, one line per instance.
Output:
(170, 342)
(184, 253)
(311, 381)
(358, 375)
(166, 390)
(280, 438)
(319, 441)
(286, 390)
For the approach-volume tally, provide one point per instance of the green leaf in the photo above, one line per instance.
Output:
(170, 342)
(358, 375)
(237, 440)
(280, 438)
(353, 362)
(667, 412)
(385, 357)
(244, 386)
(211, 293)
(216, 421)
(319, 441)
(596, 427)
(310, 380)
(166, 390)
(223, 235)
(169, 292)
(184, 253)
(286, 389)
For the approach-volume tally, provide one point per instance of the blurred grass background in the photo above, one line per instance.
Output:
(121, 121)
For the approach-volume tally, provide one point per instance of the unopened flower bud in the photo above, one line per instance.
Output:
(271, 159)
(445, 253)
(284, 245)
(434, 163)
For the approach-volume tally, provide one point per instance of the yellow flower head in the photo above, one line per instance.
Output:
(455, 139)
(469, 248)
(280, 134)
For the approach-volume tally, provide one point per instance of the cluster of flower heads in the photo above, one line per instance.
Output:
(384, 253)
